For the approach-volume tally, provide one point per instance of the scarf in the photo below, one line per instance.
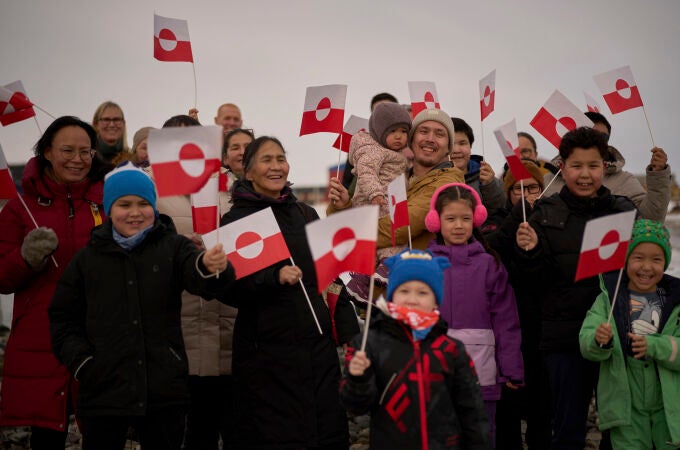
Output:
(128, 243)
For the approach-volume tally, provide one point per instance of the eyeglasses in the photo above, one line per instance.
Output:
(531, 189)
(111, 120)
(85, 155)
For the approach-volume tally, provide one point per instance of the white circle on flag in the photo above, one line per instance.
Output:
(623, 88)
(249, 245)
(192, 159)
(429, 100)
(608, 245)
(344, 241)
(323, 109)
(167, 40)
(564, 125)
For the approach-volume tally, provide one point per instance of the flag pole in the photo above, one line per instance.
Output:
(309, 302)
(337, 168)
(616, 293)
(193, 66)
(648, 127)
(34, 223)
(39, 108)
(483, 150)
(410, 245)
(524, 209)
(37, 125)
(368, 313)
(551, 182)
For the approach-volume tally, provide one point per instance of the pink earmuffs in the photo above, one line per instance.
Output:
(432, 218)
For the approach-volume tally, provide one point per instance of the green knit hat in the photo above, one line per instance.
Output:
(646, 230)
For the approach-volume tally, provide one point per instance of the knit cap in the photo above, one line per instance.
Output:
(386, 117)
(646, 230)
(410, 265)
(126, 179)
(436, 115)
(533, 170)
(140, 135)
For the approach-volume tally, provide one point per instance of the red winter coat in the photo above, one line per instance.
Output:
(34, 385)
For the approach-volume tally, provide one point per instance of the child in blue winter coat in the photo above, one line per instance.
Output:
(478, 304)
(639, 386)
(418, 383)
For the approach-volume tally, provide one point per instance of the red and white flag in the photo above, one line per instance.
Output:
(487, 94)
(619, 89)
(7, 187)
(353, 125)
(204, 213)
(183, 159)
(605, 244)
(324, 109)
(344, 242)
(396, 192)
(591, 103)
(252, 243)
(14, 104)
(423, 96)
(171, 40)
(506, 135)
(557, 117)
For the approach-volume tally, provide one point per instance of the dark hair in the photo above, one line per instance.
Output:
(254, 146)
(583, 137)
(181, 120)
(459, 125)
(99, 167)
(455, 194)
(526, 135)
(232, 133)
(596, 117)
(383, 97)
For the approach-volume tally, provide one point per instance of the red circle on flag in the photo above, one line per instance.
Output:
(393, 200)
(344, 241)
(249, 244)
(323, 109)
(623, 88)
(429, 97)
(608, 245)
(167, 40)
(190, 151)
(565, 124)
(487, 91)
(166, 34)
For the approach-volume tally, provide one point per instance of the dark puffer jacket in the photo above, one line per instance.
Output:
(421, 394)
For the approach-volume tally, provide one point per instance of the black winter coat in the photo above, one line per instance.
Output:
(559, 221)
(286, 374)
(122, 310)
(410, 383)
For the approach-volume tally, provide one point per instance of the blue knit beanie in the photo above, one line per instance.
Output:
(417, 265)
(126, 179)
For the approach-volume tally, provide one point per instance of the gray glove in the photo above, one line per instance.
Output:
(38, 245)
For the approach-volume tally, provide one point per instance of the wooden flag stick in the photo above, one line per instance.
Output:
(551, 182)
(483, 150)
(37, 125)
(410, 245)
(39, 108)
(368, 314)
(309, 302)
(648, 127)
(337, 169)
(524, 209)
(193, 66)
(616, 293)
(34, 223)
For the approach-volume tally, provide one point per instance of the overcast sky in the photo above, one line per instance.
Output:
(71, 55)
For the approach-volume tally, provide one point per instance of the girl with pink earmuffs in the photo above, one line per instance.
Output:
(478, 304)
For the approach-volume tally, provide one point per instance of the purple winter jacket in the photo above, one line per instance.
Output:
(479, 307)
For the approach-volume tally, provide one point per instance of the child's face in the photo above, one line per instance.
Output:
(645, 267)
(396, 139)
(460, 156)
(415, 294)
(583, 171)
(131, 214)
(456, 222)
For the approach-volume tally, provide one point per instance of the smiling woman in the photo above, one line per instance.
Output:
(109, 122)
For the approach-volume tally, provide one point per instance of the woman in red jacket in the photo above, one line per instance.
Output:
(63, 187)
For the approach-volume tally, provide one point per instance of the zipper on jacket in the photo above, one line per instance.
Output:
(71, 211)
(421, 395)
(387, 386)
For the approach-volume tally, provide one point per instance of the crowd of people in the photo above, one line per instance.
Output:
(124, 319)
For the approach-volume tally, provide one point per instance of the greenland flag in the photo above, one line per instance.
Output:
(605, 244)
(252, 243)
(423, 96)
(324, 109)
(557, 117)
(591, 103)
(204, 213)
(619, 89)
(506, 135)
(7, 187)
(487, 94)
(353, 125)
(183, 159)
(396, 192)
(344, 242)
(14, 105)
(171, 40)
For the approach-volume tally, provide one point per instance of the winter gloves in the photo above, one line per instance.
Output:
(37, 246)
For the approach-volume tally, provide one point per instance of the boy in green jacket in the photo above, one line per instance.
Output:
(639, 387)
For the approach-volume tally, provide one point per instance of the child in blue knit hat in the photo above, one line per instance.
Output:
(638, 393)
(115, 317)
(418, 384)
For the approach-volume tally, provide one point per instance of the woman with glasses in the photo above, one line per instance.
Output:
(63, 189)
(109, 122)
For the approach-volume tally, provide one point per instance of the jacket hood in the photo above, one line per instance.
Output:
(457, 254)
